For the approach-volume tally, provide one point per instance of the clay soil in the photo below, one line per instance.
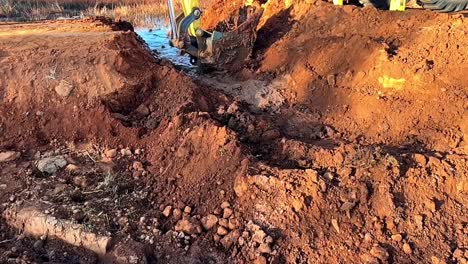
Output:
(343, 140)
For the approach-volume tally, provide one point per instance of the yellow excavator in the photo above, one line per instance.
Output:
(219, 50)
(229, 50)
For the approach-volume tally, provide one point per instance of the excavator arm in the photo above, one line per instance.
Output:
(220, 50)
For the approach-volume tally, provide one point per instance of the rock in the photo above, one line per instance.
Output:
(225, 205)
(110, 153)
(209, 221)
(177, 214)
(64, 88)
(407, 249)
(397, 237)
(51, 165)
(7, 156)
(221, 231)
(187, 227)
(138, 166)
(379, 252)
(227, 212)
(167, 211)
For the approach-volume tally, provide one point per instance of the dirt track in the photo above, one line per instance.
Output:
(344, 140)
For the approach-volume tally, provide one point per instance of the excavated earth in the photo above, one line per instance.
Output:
(343, 140)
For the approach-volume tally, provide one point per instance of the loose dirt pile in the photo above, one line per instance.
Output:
(363, 159)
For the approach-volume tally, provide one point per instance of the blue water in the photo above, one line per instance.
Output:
(158, 41)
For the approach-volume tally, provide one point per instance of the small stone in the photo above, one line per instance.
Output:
(241, 241)
(229, 239)
(379, 252)
(187, 209)
(233, 223)
(227, 212)
(431, 205)
(177, 214)
(223, 222)
(221, 231)
(407, 249)
(142, 110)
(209, 221)
(420, 159)
(331, 79)
(225, 205)
(79, 216)
(187, 227)
(138, 166)
(110, 153)
(167, 211)
(335, 225)
(81, 181)
(7, 156)
(264, 248)
(397, 237)
(313, 175)
(260, 260)
(258, 236)
(64, 88)
(367, 258)
(297, 205)
(216, 238)
(418, 219)
(328, 176)
(38, 245)
(126, 152)
(436, 260)
(323, 185)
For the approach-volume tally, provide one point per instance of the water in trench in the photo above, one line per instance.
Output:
(158, 41)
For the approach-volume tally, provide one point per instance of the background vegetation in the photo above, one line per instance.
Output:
(139, 12)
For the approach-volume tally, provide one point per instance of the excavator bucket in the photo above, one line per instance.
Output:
(225, 48)
(232, 49)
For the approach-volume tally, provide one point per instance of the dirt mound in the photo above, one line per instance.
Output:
(360, 157)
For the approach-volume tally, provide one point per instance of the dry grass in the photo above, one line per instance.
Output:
(139, 12)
